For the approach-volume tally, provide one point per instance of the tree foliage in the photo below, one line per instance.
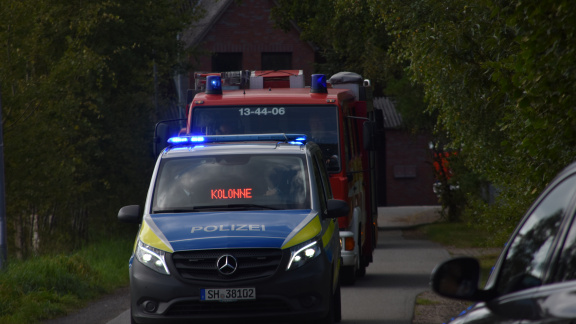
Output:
(497, 75)
(77, 93)
(347, 33)
(500, 74)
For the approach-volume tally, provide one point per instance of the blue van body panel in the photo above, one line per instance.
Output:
(233, 229)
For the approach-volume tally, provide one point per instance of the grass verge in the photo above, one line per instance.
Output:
(458, 239)
(460, 235)
(50, 286)
(464, 236)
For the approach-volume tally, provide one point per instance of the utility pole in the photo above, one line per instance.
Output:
(2, 194)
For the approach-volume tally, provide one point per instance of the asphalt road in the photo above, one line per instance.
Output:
(400, 271)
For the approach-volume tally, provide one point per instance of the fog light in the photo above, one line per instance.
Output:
(150, 306)
(308, 301)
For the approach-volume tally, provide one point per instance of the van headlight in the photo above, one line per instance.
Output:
(152, 257)
(302, 253)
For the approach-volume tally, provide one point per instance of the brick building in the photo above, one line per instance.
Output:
(241, 36)
(405, 170)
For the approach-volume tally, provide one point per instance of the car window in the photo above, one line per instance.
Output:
(318, 158)
(273, 181)
(567, 264)
(525, 262)
(319, 184)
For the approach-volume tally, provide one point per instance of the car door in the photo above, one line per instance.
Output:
(527, 260)
(322, 184)
(556, 300)
(525, 265)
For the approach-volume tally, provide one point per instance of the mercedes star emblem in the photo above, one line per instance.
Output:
(227, 264)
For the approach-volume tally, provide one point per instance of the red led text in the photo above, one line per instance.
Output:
(231, 193)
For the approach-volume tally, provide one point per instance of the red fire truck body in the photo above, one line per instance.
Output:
(332, 117)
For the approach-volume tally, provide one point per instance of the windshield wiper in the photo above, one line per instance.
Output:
(250, 206)
(174, 210)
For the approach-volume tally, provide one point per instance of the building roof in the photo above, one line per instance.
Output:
(392, 118)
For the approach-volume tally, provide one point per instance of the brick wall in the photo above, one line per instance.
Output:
(408, 172)
(246, 27)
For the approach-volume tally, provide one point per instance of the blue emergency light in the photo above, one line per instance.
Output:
(214, 84)
(186, 139)
(318, 84)
(275, 137)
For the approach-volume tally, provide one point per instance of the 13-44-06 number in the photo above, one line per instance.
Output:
(274, 111)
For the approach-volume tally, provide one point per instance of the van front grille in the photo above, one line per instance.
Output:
(249, 263)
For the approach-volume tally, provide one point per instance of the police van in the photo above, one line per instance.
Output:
(237, 228)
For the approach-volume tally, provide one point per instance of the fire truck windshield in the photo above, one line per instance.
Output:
(319, 123)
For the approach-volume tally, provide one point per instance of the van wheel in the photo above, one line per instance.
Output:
(337, 305)
(330, 317)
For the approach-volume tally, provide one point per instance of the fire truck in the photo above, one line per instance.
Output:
(336, 113)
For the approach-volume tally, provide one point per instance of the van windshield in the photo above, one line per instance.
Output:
(319, 123)
(231, 182)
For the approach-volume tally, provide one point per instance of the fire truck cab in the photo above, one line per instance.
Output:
(337, 114)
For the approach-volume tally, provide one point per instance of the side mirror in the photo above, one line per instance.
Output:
(163, 130)
(458, 278)
(130, 214)
(337, 208)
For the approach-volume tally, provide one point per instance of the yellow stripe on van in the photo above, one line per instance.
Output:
(328, 235)
(148, 236)
(309, 231)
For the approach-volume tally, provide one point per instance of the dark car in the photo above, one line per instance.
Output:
(533, 280)
(237, 229)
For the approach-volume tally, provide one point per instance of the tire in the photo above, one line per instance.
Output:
(348, 275)
(362, 262)
(361, 271)
(337, 305)
(329, 318)
(334, 314)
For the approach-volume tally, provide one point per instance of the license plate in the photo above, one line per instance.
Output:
(227, 294)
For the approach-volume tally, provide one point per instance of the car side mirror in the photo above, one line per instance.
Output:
(130, 214)
(458, 278)
(337, 208)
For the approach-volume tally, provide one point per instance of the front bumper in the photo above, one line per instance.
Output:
(289, 295)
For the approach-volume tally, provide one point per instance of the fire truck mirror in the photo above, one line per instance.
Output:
(163, 131)
(368, 135)
(160, 138)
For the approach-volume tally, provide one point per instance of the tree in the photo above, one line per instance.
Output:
(77, 91)
(499, 75)
(347, 33)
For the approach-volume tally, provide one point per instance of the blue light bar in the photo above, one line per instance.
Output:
(214, 84)
(186, 139)
(318, 84)
(274, 137)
